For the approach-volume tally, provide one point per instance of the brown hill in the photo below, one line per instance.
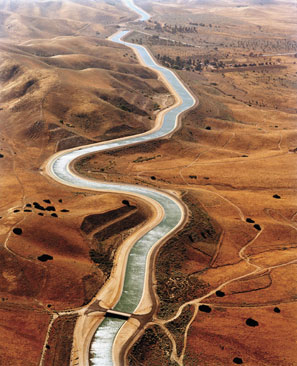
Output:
(44, 19)
(73, 85)
(61, 86)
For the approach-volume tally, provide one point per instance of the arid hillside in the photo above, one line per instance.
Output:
(225, 283)
(76, 90)
(47, 19)
(62, 85)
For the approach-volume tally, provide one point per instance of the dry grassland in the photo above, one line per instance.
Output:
(62, 85)
(234, 162)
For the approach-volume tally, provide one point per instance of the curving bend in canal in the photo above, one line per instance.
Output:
(59, 168)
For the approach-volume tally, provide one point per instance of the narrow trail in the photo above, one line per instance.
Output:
(44, 348)
(201, 301)
(242, 254)
(174, 355)
(181, 358)
(257, 270)
(194, 162)
(284, 220)
(237, 208)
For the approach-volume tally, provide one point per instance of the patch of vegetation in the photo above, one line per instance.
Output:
(191, 360)
(106, 241)
(103, 259)
(276, 196)
(153, 348)
(178, 327)
(237, 361)
(205, 308)
(81, 163)
(257, 227)
(91, 222)
(149, 147)
(60, 341)
(124, 108)
(122, 104)
(176, 288)
(126, 223)
(174, 285)
(251, 322)
(9, 72)
(140, 159)
(17, 231)
(91, 284)
(45, 258)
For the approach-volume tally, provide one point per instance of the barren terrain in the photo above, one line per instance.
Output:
(234, 160)
(225, 285)
(61, 89)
